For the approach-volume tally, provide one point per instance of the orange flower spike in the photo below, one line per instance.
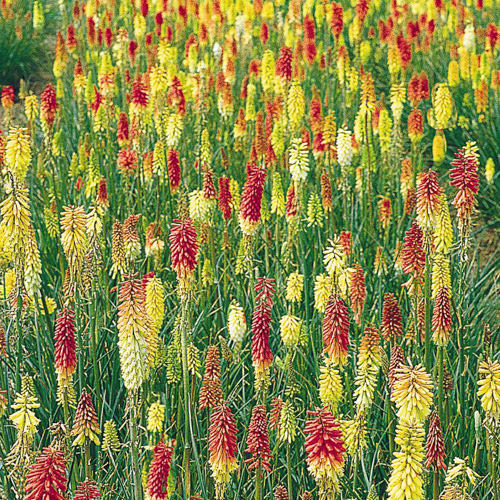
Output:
(336, 330)
(222, 447)
(258, 441)
(325, 451)
(183, 248)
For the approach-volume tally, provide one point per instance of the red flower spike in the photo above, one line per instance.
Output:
(159, 471)
(174, 170)
(397, 359)
(434, 446)
(87, 490)
(465, 178)
(324, 444)
(64, 343)
(46, 478)
(48, 105)
(392, 323)
(224, 197)
(262, 356)
(183, 247)
(413, 255)
(336, 330)
(258, 440)
(357, 292)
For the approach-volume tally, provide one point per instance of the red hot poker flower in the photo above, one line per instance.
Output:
(429, 194)
(211, 391)
(48, 105)
(258, 440)
(87, 490)
(183, 248)
(413, 255)
(251, 200)
(224, 197)
(174, 170)
(357, 292)
(46, 479)
(392, 324)
(222, 447)
(435, 454)
(441, 318)
(159, 471)
(262, 356)
(65, 346)
(465, 178)
(337, 22)
(325, 449)
(336, 330)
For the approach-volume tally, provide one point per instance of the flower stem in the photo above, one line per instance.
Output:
(289, 471)
(187, 399)
(136, 470)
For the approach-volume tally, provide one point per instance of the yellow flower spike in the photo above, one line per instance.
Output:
(440, 274)
(393, 62)
(267, 71)
(334, 258)
(24, 418)
(16, 218)
(453, 74)
(443, 231)
(489, 170)
(155, 305)
(489, 388)
(412, 393)
(110, 442)
(442, 105)
(200, 208)
(439, 147)
(18, 152)
(406, 481)
(31, 107)
(323, 286)
(277, 196)
(354, 432)
(38, 16)
(315, 213)
(173, 130)
(156, 416)
(290, 327)
(133, 334)
(277, 138)
(295, 104)
(236, 323)
(384, 130)
(330, 385)
(298, 158)
(294, 287)
(74, 237)
(250, 112)
(398, 98)
(32, 265)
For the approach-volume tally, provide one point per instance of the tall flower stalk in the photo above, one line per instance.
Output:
(184, 257)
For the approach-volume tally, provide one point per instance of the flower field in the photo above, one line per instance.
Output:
(249, 250)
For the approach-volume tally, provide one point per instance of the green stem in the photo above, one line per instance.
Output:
(134, 447)
(258, 485)
(390, 420)
(289, 471)
(88, 460)
(441, 380)
(187, 399)
(435, 486)
(427, 304)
